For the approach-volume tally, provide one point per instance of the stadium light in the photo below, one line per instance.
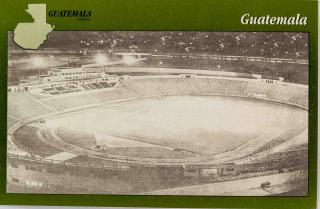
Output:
(37, 62)
(129, 60)
(101, 59)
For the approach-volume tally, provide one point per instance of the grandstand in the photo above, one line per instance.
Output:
(23, 106)
(26, 110)
(135, 87)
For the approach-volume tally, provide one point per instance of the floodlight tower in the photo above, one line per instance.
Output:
(101, 59)
(128, 60)
(37, 62)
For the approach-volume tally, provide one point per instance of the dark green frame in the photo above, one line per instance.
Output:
(184, 15)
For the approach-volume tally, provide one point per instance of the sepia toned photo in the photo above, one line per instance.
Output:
(159, 113)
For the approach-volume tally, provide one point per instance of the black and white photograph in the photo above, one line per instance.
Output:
(159, 113)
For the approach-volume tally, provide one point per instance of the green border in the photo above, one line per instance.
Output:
(194, 15)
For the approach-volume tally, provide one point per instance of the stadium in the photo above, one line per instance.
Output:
(117, 127)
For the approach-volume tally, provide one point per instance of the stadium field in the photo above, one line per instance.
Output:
(192, 125)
